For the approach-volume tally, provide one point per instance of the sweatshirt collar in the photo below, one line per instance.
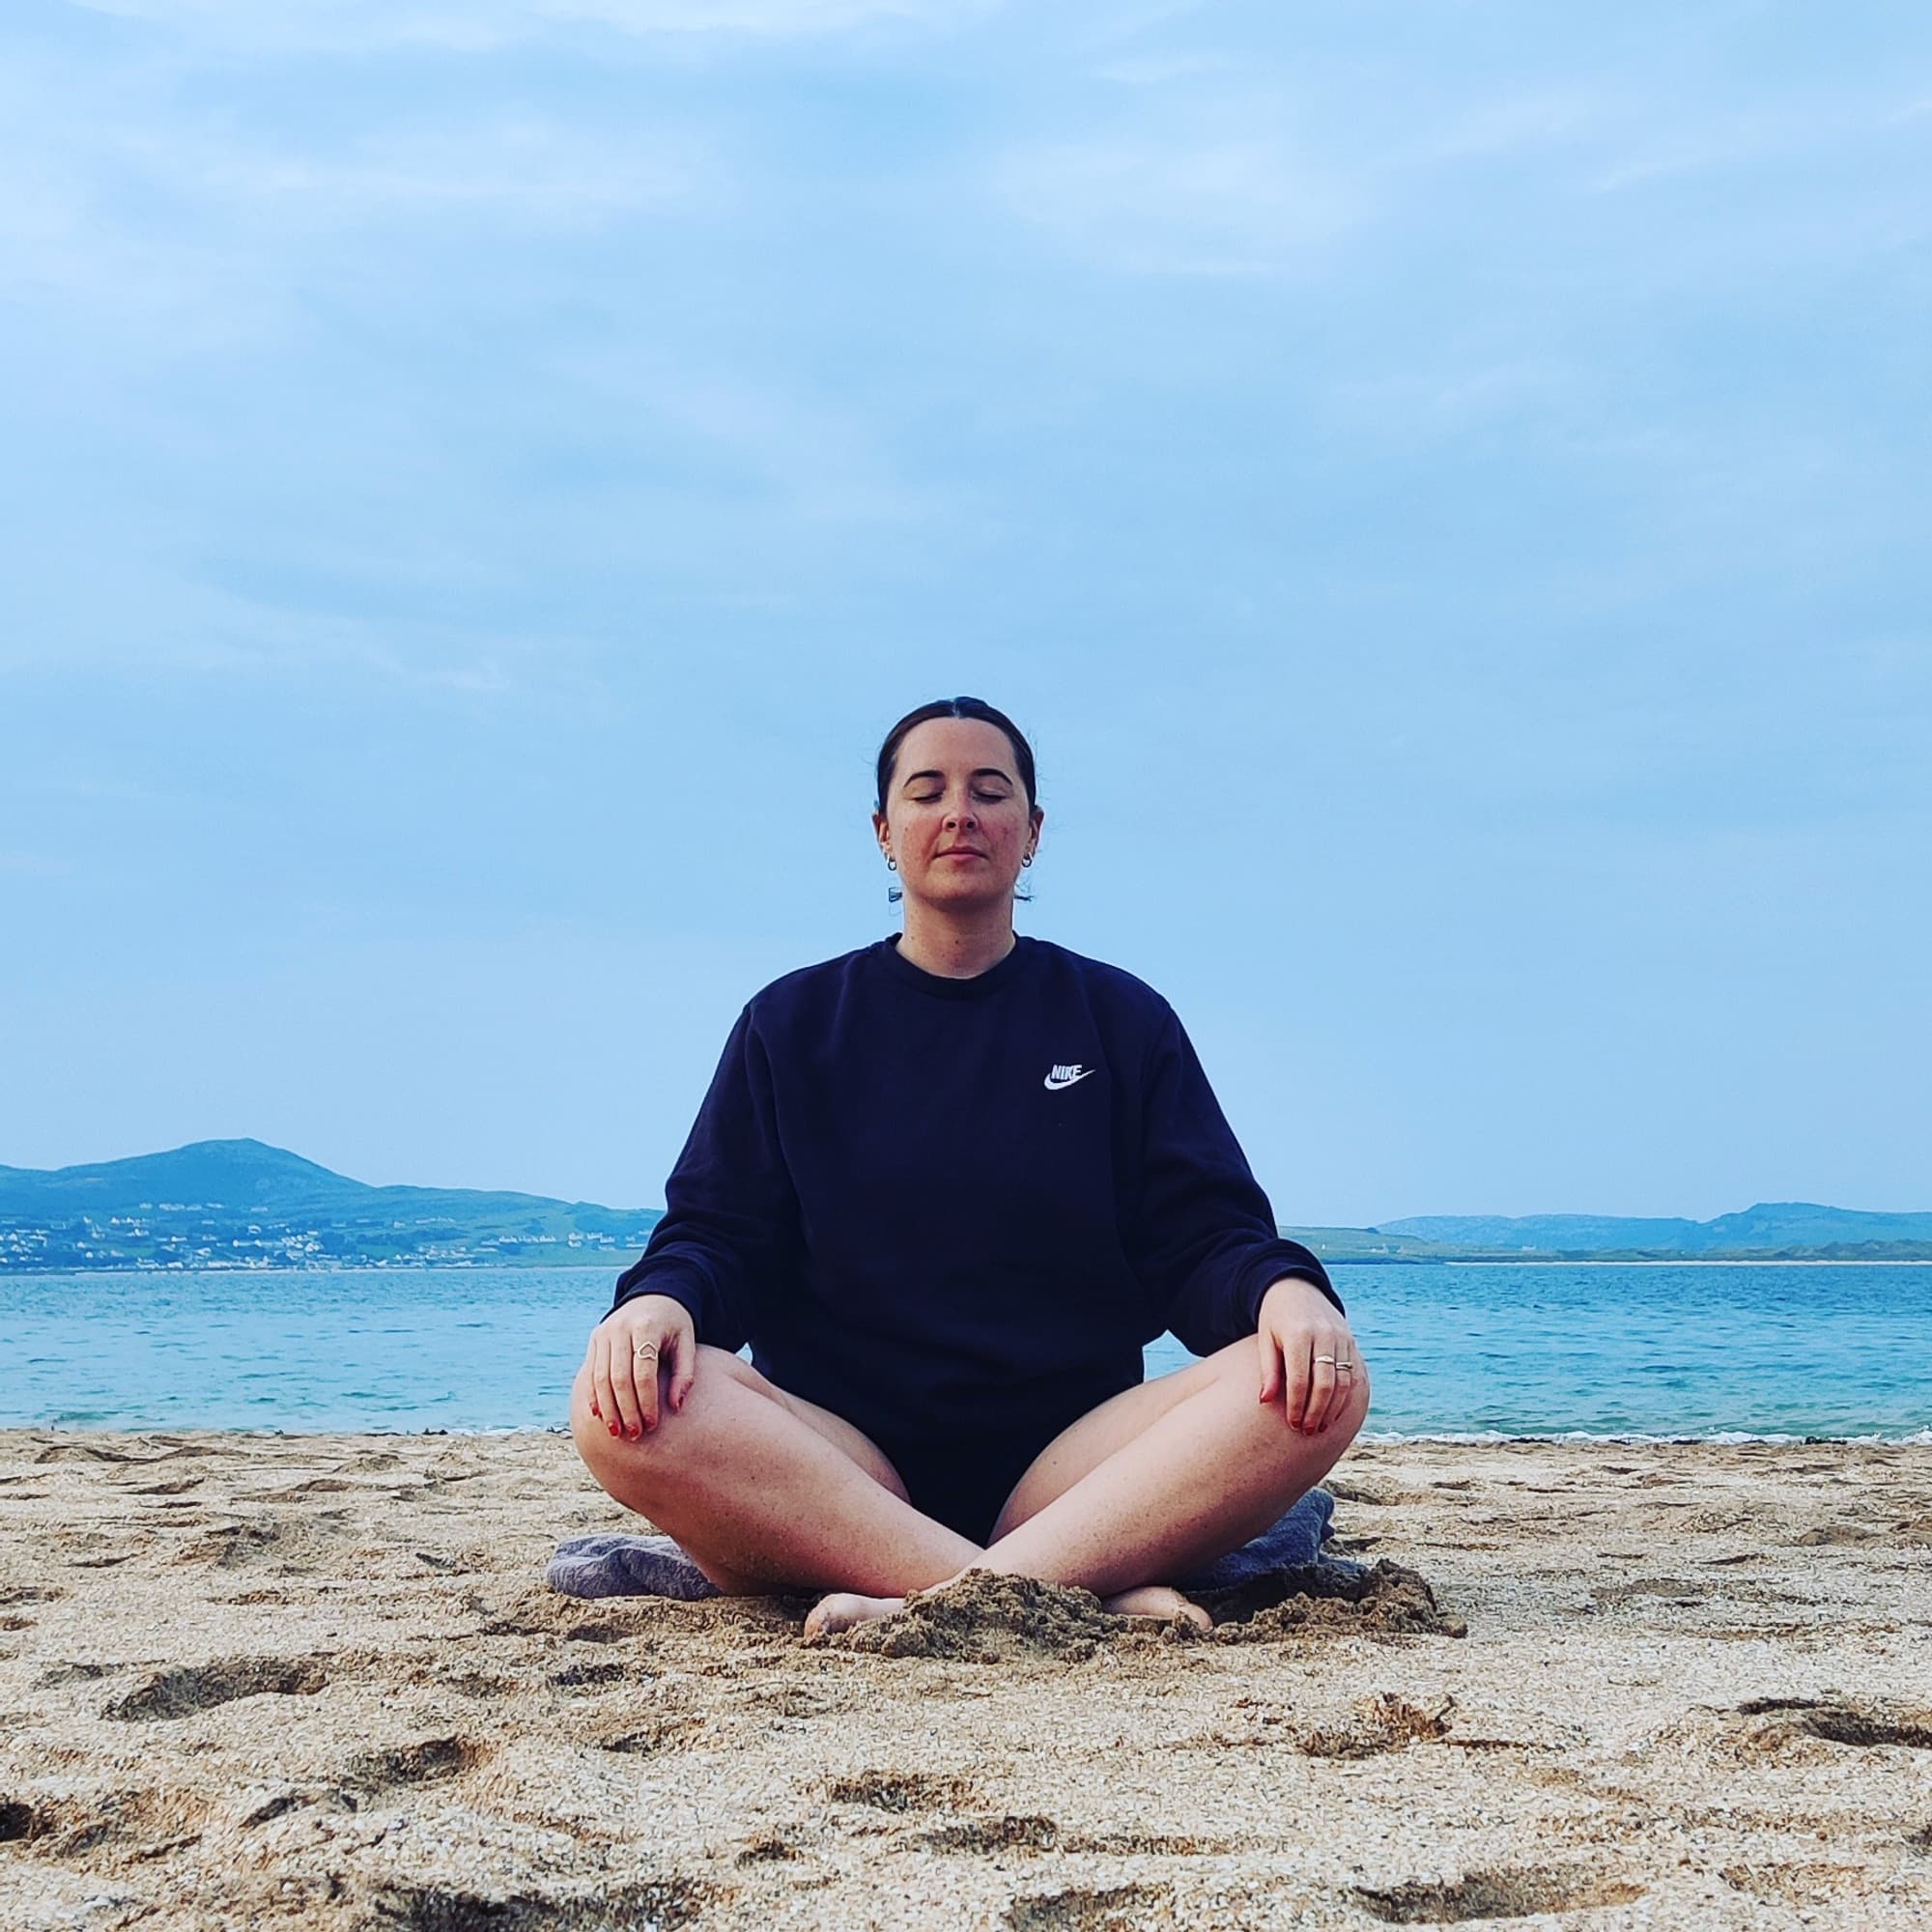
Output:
(942, 989)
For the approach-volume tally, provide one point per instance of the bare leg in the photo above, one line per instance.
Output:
(1151, 1483)
(1112, 1504)
(768, 1491)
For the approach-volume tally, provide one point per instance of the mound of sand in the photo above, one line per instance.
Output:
(983, 1617)
(1321, 1600)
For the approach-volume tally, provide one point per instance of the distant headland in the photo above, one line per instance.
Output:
(245, 1204)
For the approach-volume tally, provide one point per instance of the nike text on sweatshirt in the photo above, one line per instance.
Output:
(942, 1206)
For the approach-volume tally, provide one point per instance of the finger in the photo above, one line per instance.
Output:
(1301, 1375)
(682, 1355)
(645, 1353)
(1347, 1384)
(624, 1384)
(1321, 1388)
(603, 1397)
(1270, 1365)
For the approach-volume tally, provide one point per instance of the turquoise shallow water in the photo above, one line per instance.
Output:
(1518, 1350)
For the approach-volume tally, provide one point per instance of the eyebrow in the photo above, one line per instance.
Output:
(984, 772)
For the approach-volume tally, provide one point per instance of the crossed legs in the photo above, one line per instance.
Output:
(768, 1491)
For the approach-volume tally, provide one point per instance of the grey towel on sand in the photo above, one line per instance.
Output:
(1294, 1541)
(654, 1566)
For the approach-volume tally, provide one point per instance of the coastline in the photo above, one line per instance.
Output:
(1663, 1261)
(14, 1270)
(316, 1680)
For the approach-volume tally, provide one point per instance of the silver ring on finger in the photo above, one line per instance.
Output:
(1329, 1359)
(649, 1348)
(1344, 1368)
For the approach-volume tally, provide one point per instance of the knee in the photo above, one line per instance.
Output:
(620, 1462)
(1239, 1369)
(1338, 1426)
(1350, 1411)
(597, 1443)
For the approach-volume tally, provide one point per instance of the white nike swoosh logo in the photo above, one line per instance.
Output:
(1054, 1086)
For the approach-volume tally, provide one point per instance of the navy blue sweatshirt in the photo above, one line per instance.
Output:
(940, 1207)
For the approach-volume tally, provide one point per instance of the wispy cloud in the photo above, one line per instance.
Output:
(1672, 152)
(32, 866)
(527, 169)
(1160, 70)
(1446, 398)
(79, 786)
(765, 19)
(1521, 121)
(348, 26)
(1205, 205)
(179, 233)
(809, 459)
(215, 633)
(522, 170)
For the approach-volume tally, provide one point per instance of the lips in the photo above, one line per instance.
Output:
(960, 852)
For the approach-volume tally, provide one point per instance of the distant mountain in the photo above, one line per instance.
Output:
(242, 1204)
(245, 1175)
(1772, 1228)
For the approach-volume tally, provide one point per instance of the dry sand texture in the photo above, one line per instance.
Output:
(316, 1681)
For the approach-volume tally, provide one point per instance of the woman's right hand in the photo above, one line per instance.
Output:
(640, 1338)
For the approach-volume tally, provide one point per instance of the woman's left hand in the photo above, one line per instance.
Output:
(1308, 1351)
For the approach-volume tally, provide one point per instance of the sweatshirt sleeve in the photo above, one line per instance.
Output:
(730, 1232)
(1206, 1238)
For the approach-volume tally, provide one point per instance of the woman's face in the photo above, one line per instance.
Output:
(956, 816)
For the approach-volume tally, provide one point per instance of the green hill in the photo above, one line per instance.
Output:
(242, 1204)
(1770, 1230)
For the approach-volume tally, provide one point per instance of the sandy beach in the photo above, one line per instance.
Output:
(316, 1681)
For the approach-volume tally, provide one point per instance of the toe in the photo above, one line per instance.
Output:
(844, 1608)
(1157, 1600)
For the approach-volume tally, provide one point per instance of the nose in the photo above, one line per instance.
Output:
(961, 816)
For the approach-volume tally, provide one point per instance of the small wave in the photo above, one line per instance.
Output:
(1719, 1439)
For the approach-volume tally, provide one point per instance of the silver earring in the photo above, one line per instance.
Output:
(1028, 859)
(893, 865)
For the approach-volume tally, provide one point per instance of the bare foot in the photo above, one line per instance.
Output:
(1157, 1600)
(844, 1608)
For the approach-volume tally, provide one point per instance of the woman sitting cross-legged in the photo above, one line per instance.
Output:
(947, 1186)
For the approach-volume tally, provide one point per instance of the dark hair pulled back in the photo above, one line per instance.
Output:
(955, 707)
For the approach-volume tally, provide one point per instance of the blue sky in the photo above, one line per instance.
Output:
(1444, 485)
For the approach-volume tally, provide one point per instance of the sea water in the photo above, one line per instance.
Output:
(1453, 1350)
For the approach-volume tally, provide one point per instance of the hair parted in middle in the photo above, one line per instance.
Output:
(955, 707)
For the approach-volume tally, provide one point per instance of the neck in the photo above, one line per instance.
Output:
(956, 945)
